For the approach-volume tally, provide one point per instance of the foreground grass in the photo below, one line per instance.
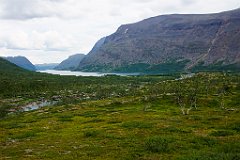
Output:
(122, 128)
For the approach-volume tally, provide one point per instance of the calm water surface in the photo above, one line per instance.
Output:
(78, 73)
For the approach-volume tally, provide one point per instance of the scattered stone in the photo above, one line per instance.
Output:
(28, 150)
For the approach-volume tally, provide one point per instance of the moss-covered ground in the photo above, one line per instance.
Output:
(146, 124)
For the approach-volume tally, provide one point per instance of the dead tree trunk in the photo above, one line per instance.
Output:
(180, 97)
(181, 104)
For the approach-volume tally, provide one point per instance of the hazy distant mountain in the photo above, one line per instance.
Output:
(46, 66)
(22, 62)
(71, 63)
(170, 43)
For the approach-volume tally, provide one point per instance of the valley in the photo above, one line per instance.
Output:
(166, 87)
(141, 117)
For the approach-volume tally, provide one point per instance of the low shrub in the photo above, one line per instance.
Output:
(91, 133)
(24, 135)
(222, 133)
(157, 144)
(65, 118)
(137, 124)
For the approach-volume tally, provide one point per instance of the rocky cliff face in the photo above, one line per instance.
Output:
(184, 42)
(71, 63)
(22, 62)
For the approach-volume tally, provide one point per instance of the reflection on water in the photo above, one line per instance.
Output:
(37, 105)
(78, 73)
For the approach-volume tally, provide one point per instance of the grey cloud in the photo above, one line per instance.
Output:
(188, 2)
(27, 9)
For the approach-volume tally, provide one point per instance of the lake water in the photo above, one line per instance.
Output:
(78, 73)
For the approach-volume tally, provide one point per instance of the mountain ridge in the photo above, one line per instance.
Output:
(22, 62)
(197, 39)
(46, 66)
(8, 68)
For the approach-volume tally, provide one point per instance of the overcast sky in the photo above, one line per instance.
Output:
(47, 31)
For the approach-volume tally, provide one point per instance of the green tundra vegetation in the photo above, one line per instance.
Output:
(120, 117)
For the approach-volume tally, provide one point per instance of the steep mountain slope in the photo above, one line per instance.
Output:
(8, 68)
(45, 66)
(71, 63)
(5, 66)
(170, 43)
(22, 62)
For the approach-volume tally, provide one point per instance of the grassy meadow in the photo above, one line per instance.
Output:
(125, 118)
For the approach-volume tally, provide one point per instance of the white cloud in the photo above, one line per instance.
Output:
(59, 28)
(46, 41)
(28, 9)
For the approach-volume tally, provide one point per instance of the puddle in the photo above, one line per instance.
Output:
(37, 105)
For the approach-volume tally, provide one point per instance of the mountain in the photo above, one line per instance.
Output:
(8, 67)
(22, 62)
(10, 71)
(45, 66)
(71, 63)
(98, 44)
(170, 43)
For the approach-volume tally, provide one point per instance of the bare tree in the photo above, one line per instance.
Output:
(224, 89)
(208, 84)
(193, 95)
(187, 99)
(180, 97)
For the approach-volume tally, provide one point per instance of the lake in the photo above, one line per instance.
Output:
(78, 73)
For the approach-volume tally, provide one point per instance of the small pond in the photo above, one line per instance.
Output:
(36, 105)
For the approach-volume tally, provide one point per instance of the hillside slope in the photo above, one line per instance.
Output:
(71, 63)
(171, 43)
(22, 62)
(7, 67)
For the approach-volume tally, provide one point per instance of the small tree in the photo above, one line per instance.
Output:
(224, 89)
(180, 96)
(208, 84)
(187, 97)
(193, 95)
